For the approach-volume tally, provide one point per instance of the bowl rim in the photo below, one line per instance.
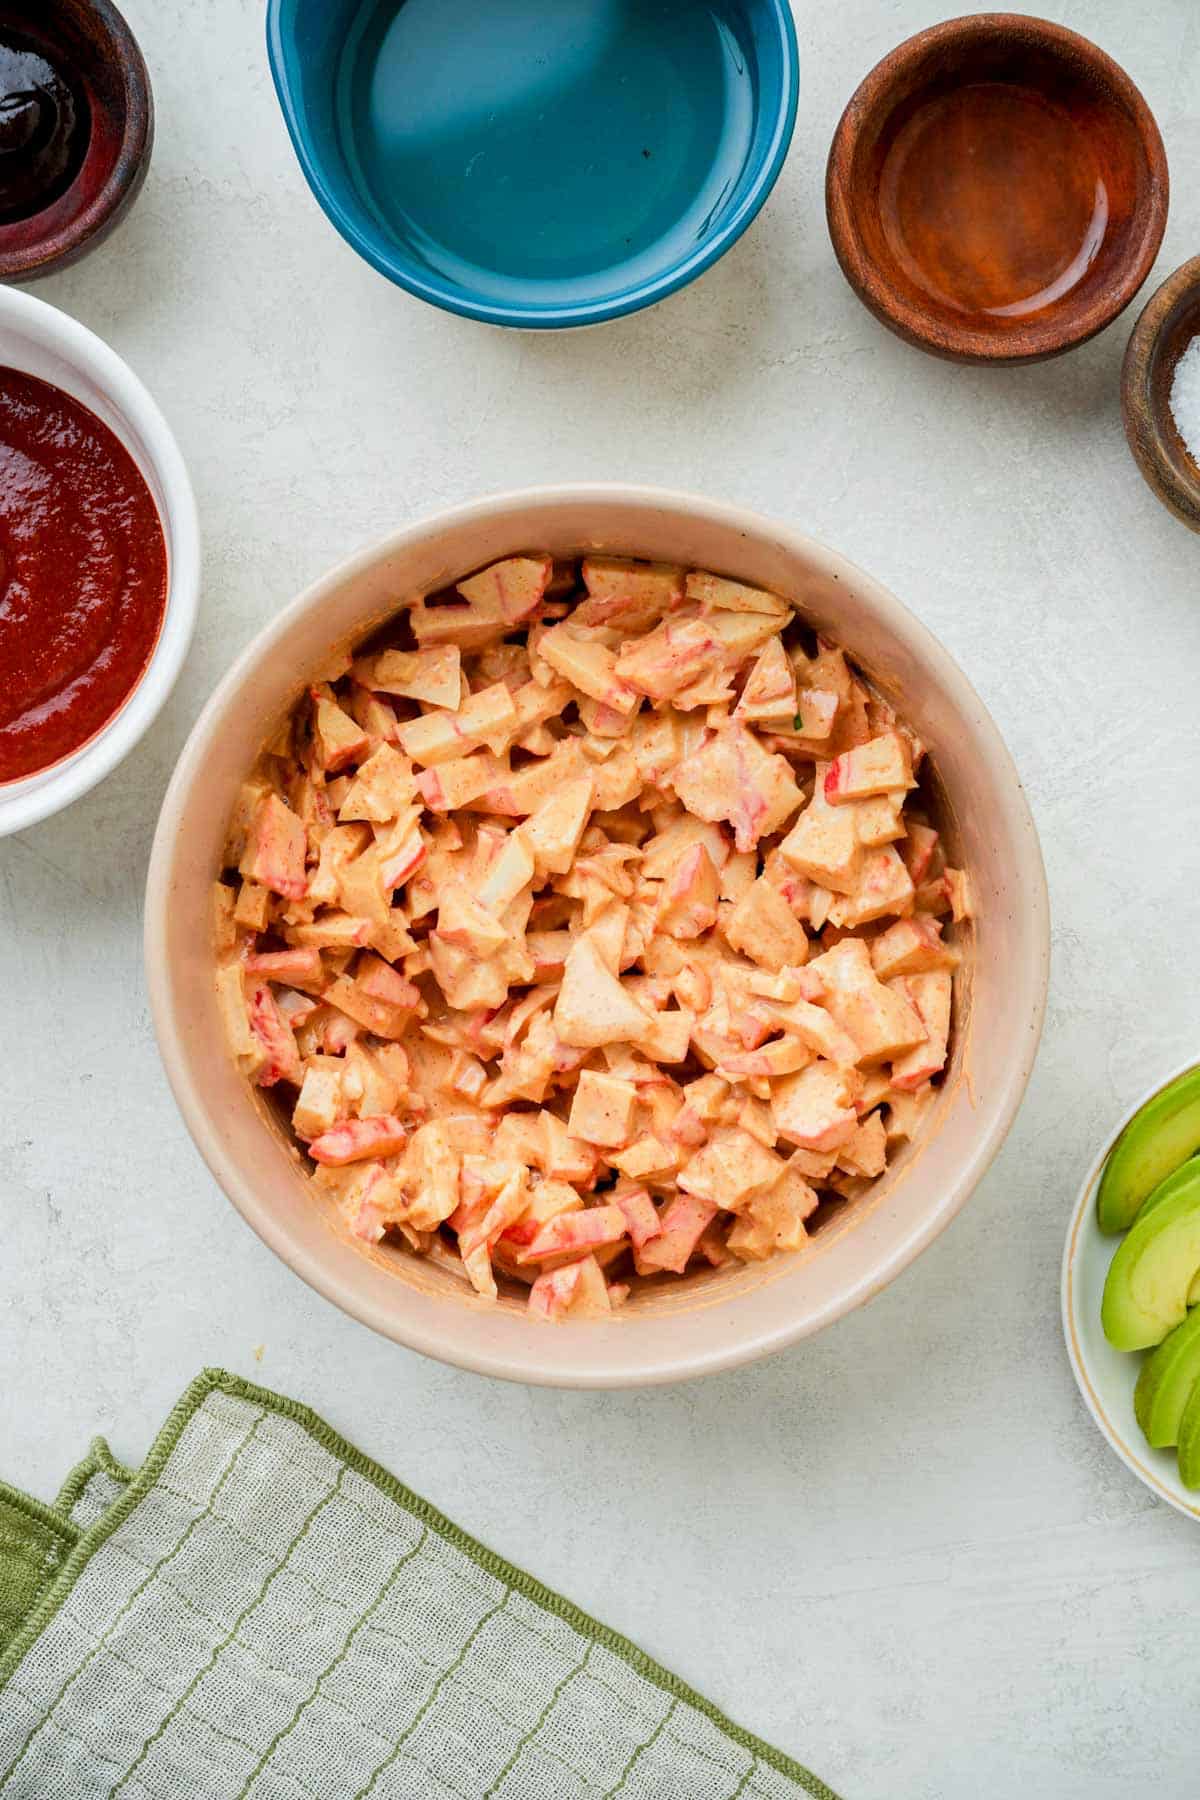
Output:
(1055, 334)
(1069, 1296)
(41, 255)
(281, 56)
(532, 1364)
(32, 798)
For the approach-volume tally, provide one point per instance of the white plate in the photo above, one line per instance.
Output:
(1107, 1377)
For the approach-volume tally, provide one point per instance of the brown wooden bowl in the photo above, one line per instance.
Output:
(996, 190)
(1169, 321)
(93, 50)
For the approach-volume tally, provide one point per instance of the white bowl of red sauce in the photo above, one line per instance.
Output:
(99, 560)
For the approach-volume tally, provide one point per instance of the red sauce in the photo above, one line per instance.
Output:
(83, 574)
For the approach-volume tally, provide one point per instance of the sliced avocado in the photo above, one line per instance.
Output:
(1189, 1442)
(1145, 1295)
(1156, 1140)
(1163, 1191)
(1165, 1384)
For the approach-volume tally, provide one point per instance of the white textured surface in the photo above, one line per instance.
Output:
(901, 1551)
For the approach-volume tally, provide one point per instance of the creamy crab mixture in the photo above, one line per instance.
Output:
(590, 929)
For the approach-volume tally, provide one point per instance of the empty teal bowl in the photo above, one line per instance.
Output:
(538, 163)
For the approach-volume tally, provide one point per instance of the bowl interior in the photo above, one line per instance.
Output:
(1005, 184)
(716, 1320)
(1107, 1377)
(536, 163)
(40, 341)
(93, 52)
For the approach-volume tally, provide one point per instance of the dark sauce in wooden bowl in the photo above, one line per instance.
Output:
(44, 128)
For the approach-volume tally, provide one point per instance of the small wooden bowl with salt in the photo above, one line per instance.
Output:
(1160, 393)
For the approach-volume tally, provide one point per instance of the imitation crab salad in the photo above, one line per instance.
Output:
(591, 927)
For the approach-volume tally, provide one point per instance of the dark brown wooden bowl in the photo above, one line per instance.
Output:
(93, 49)
(1169, 321)
(932, 247)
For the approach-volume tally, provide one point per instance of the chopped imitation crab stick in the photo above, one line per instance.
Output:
(593, 1297)
(688, 907)
(816, 1109)
(540, 887)
(631, 594)
(823, 844)
(882, 886)
(383, 788)
(430, 675)
(478, 1264)
(551, 1295)
(602, 1109)
(503, 1212)
(681, 1228)
(514, 588)
(911, 946)
(783, 1056)
(357, 1140)
(918, 849)
(400, 864)
(884, 765)
(441, 737)
(377, 980)
(340, 740)
(769, 695)
(930, 995)
(763, 927)
(274, 1036)
(734, 778)
(286, 965)
(588, 664)
(459, 782)
(663, 664)
(881, 1020)
(640, 1216)
(365, 1206)
(275, 849)
(576, 1231)
(731, 1168)
(510, 872)
(320, 1101)
(593, 1008)
(735, 596)
(554, 830)
(462, 920)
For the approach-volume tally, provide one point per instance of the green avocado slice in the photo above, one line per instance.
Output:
(1166, 1382)
(1146, 1293)
(1164, 1133)
(1162, 1192)
(1189, 1441)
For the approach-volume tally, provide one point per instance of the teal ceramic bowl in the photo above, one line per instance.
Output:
(538, 163)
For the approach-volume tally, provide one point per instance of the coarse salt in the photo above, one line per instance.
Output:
(1185, 398)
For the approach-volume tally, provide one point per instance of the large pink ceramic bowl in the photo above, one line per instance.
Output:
(727, 1316)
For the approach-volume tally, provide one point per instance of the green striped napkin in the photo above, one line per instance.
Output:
(260, 1611)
